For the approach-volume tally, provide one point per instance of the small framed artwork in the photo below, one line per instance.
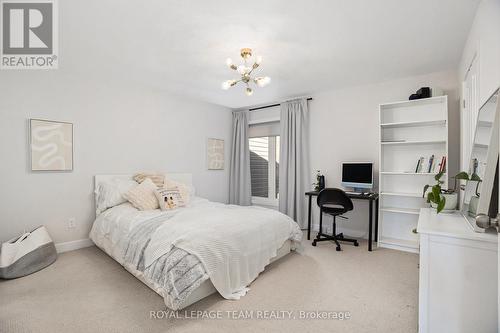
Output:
(51, 145)
(215, 154)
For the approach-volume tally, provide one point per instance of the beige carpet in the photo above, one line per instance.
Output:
(87, 291)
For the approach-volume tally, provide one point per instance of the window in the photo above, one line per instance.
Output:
(264, 169)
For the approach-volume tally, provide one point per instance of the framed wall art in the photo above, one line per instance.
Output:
(51, 144)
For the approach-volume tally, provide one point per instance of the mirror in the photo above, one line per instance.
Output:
(483, 163)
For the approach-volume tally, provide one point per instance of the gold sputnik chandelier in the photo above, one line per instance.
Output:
(246, 70)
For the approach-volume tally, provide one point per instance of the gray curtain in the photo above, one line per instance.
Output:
(294, 161)
(239, 169)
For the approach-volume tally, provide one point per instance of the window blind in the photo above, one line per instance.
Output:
(264, 129)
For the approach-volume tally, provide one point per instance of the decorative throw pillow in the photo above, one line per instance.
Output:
(169, 198)
(143, 195)
(158, 179)
(110, 193)
(183, 189)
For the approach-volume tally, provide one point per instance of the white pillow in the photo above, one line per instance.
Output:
(185, 190)
(110, 193)
(143, 195)
(158, 179)
(170, 198)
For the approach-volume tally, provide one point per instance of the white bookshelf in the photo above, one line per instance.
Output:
(408, 130)
(411, 211)
(409, 173)
(414, 123)
(401, 194)
(412, 142)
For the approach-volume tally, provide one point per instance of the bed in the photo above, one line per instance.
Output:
(189, 253)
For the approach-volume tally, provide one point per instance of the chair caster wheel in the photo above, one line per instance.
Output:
(356, 244)
(314, 243)
(338, 248)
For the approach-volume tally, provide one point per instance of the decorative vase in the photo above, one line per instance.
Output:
(473, 203)
(451, 202)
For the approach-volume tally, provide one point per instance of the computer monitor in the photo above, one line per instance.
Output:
(357, 175)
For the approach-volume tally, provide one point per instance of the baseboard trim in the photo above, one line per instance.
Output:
(73, 245)
(399, 247)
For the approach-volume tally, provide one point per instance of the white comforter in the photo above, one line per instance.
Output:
(233, 243)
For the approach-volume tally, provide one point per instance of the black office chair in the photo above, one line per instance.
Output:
(334, 202)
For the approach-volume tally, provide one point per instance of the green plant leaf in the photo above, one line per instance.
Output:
(462, 176)
(436, 191)
(475, 177)
(430, 197)
(439, 175)
(441, 204)
(426, 187)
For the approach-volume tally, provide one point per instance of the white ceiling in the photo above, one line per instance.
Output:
(307, 46)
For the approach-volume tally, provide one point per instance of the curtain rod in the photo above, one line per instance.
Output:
(270, 106)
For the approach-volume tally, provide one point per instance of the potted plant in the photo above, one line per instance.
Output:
(474, 199)
(320, 181)
(445, 199)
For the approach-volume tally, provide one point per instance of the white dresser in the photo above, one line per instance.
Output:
(458, 275)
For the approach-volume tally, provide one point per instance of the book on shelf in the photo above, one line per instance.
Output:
(442, 165)
(420, 165)
(430, 165)
(434, 166)
(431, 161)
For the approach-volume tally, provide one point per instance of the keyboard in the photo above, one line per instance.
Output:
(361, 194)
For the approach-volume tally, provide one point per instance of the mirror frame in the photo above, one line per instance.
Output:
(491, 166)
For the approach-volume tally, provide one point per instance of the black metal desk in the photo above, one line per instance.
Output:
(373, 199)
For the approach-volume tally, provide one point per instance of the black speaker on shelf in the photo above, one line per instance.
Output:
(321, 182)
(424, 92)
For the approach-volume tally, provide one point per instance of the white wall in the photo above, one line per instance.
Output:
(484, 42)
(482, 46)
(118, 128)
(344, 127)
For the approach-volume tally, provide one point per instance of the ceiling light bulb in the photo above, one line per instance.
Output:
(242, 69)
(227, 84)
(263, 81)
(246, 70)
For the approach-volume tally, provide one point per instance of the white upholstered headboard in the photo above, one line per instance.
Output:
(185, 178)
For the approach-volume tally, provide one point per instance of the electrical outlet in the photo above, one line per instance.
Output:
(72, 223)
